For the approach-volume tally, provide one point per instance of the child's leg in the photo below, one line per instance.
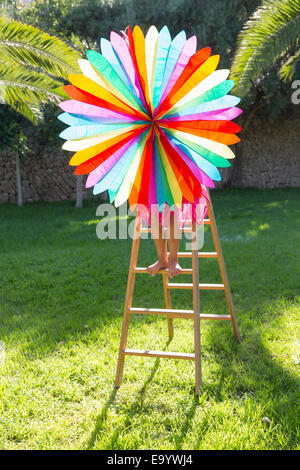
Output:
(174, 268)
(161, 248)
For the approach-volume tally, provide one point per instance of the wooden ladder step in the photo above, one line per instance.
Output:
(181, 285)
(166, 354)
(183, 229)
(169, 312)
(201, 254)
(173, 313)
(161, 271)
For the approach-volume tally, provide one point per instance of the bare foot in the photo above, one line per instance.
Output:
(153, 268)
(174, 268)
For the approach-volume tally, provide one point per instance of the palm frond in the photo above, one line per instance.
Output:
(271, 31)
(28, 45)
(25, 89)
(287, 70)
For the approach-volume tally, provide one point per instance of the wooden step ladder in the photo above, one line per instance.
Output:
(173, 313)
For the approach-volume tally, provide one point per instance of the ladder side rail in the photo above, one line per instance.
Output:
(128, 302)
(196, 307)
(224, 276)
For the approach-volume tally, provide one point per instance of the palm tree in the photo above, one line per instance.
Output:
(33, 67)
(271, 33)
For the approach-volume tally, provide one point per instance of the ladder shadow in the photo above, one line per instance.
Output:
(102, 418)
(181, 435)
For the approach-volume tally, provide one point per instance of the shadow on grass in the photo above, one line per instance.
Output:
(101, 420)
(180, 437)
(262, 377)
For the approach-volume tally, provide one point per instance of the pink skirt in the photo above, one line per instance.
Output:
(188, 212)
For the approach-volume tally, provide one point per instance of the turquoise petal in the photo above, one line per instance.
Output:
(78, 132)
(173, 56)
(109, 53)
(225, 102)
(208, 168)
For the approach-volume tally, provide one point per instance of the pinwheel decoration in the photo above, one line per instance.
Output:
(150, 118)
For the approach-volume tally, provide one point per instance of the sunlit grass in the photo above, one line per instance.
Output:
(61, 299)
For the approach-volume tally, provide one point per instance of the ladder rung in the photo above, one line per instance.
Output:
(212, 316)
(161, 271)
(148, 229)
(205, 221)
(166, 354)
(189, 222)
(181, 285)
(190, 229)
(183, 229)
(172, 313)
(201, 254)
(169, 312)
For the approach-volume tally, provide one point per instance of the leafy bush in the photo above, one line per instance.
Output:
(83, 22)
(10, 123)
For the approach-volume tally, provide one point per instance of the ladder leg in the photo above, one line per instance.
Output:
(128, 302)
(218, 247)
(168, 303)
(196, 303)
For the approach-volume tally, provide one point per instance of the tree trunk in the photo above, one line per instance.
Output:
(79, 191)
(237, 166)
(19, 181)
(104, 196)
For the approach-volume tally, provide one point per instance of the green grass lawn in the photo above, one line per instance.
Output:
(61, 298)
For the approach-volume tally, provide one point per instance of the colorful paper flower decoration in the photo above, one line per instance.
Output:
(150, 118)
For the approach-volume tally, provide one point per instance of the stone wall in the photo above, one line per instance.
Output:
(46, 176)
(270, 154)
(267, 157)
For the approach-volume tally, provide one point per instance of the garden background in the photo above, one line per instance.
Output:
(268, 154)
(62, 289)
